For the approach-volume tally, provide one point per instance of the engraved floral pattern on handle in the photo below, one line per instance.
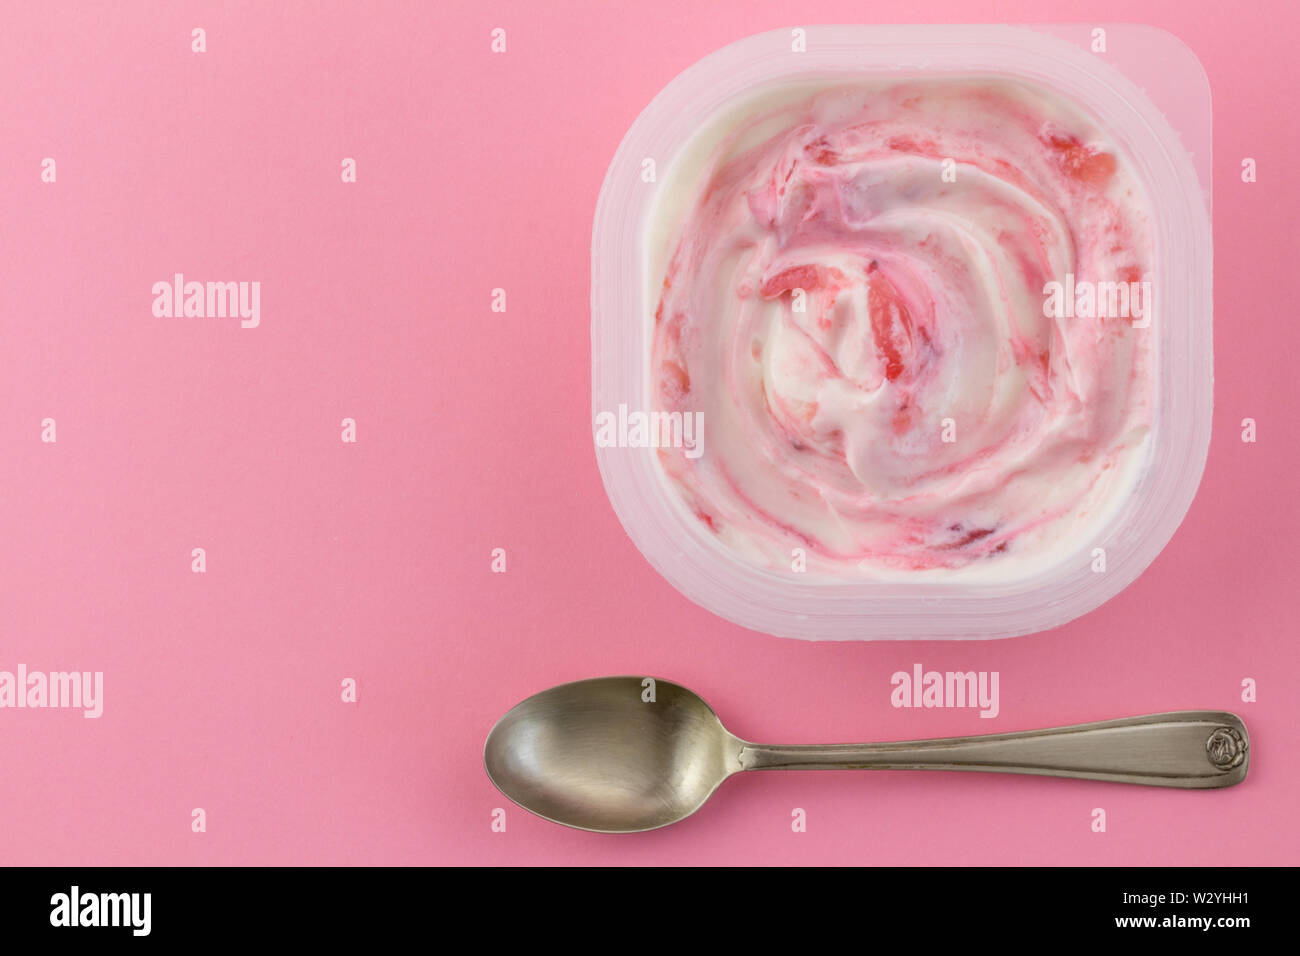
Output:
(1226, 748)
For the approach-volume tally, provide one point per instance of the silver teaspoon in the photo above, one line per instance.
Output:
(597, 756)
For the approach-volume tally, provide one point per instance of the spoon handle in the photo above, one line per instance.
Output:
(1192, 749)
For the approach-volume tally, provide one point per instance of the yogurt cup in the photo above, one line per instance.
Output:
(857, 367)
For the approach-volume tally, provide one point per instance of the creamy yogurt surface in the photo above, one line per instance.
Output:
(851, 284)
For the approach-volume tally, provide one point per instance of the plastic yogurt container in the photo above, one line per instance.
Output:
(905, 332)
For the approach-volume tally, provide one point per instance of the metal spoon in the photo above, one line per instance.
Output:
(599, 755)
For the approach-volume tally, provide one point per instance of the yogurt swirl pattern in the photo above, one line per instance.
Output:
(854, 299)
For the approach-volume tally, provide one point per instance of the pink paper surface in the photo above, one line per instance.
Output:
(371, 560)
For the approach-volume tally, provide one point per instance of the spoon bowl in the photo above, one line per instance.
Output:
(594, 755)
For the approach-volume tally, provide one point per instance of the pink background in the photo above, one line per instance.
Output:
(329, 560)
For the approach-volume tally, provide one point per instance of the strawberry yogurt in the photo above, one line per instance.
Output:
(850, 284)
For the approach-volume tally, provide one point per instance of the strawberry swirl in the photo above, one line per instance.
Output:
(855, 297)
